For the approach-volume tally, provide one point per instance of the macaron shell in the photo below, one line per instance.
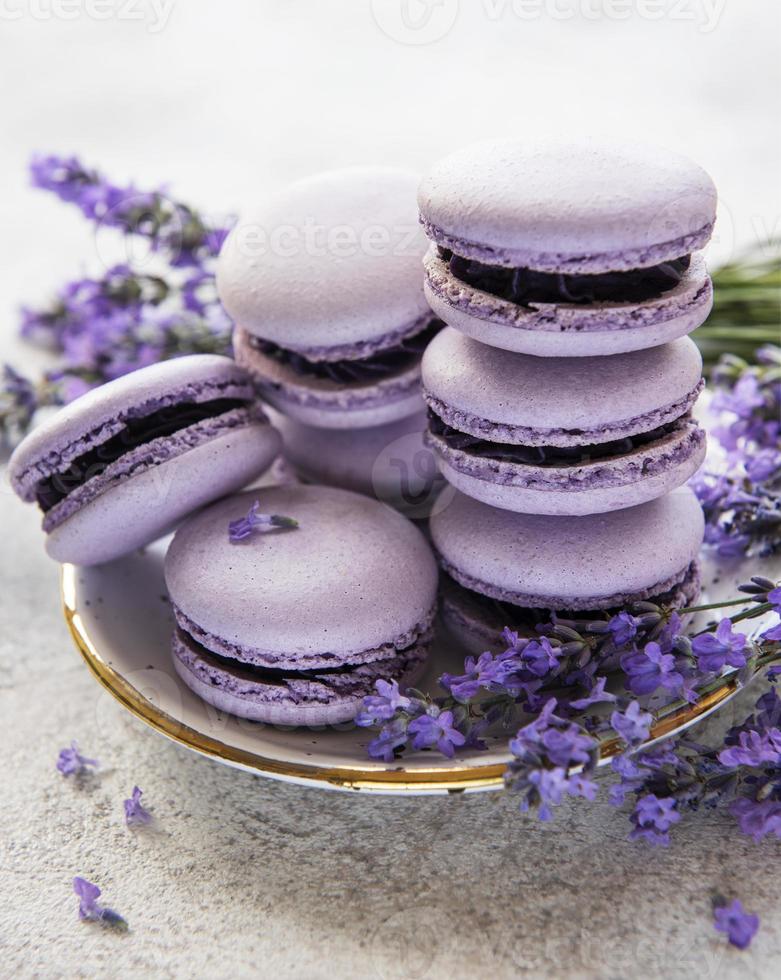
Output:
(299, 702)
(325, 404)
(358, 576)
(574, 500)
(388, 462)
(340, 264)
(569, 330)
(573, 562)
(100, 413)
(478, 625)
(150, 504)
(568, 206)
(561, 398)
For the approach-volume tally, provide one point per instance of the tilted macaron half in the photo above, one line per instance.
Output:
(507, 569)
(295, 625)
(566, 248)
(389, 462)
(121, 465)
(563, 436)
(324, 283)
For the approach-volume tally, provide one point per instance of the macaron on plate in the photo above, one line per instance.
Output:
(563, 436)
(324, 284)
(121, 465)
(131, 656)
(530, 253)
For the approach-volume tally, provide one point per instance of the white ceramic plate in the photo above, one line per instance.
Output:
(121, 621)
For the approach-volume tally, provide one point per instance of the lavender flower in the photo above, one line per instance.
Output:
(392, 737)
(743, 507)
(436, 728)
(70, 762)
(649, 669)
(623, 627)
(754, 749)
(774, 633)
(90, 910)
(245, 527)
(633, 725)
(135, 813)
(172, 227)
(383, 705)
(652, 818)
(757, 818)
(713, 651)
(18, 403)
(738, 925)
(597, 695)
(544, 752)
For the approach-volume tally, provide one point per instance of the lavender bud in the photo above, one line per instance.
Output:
(683, 645)
(572, 648)
(598, 626)
(565, 633)
(584, 658)
(646, 607)
(649, 619)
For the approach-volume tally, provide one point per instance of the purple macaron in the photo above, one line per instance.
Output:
(506, 569)
(121, 465)
(561, 248)
(294, 625)
(563, 436)
(324, 283)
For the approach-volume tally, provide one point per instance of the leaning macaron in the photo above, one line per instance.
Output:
(324, 284)
(507, 569)
(389, 462)
(563, 436)
(121, 465)
(561, 248)
(294, 625)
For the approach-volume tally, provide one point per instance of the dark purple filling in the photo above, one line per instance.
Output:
(527, 286)
(522, 619)
(136, 432)
(546, 455)
(385, 362)
(273, 675)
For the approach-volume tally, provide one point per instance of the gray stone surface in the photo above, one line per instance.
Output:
(243, 877)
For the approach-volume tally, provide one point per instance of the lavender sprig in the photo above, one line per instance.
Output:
(101, 328)
(245, 527)
(555, 754)
(173, 227)
(19, 401)
(743, 506)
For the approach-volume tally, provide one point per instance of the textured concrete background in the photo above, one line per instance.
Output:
(244, 877)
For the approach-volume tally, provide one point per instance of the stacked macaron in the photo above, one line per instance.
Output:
(562, 390)
(324, 284)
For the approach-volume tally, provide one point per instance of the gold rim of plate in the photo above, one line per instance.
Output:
(450, 778)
